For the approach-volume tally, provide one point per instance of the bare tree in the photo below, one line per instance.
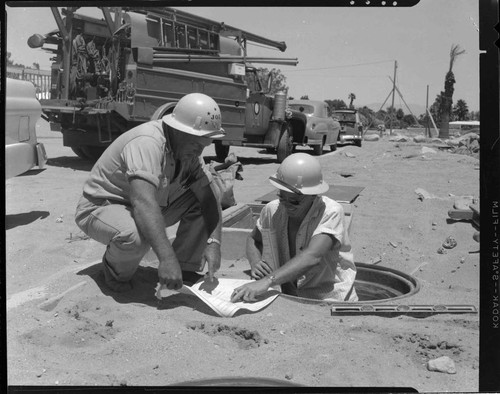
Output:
(447, 95)
(275, 78)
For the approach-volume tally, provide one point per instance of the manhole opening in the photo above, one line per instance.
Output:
(376, 283)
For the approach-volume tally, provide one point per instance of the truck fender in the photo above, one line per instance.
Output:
(163, 110)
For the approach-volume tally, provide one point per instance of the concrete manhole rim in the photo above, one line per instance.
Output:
(415, 288)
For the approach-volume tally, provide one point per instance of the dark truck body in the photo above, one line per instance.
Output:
(110, 75)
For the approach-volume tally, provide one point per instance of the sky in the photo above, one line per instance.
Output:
(340, 50)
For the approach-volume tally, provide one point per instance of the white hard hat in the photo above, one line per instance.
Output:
(300, 173)
(196, 114)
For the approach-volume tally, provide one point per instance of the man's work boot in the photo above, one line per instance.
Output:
(112, 282)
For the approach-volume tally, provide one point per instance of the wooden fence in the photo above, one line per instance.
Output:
(39, 78)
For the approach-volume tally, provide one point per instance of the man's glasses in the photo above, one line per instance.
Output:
(290, 201)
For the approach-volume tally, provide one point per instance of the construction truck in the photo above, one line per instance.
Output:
(133, 65)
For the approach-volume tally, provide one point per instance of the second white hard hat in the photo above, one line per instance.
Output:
(302, 172)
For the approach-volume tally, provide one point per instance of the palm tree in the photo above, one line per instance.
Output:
(447, 95)
(461, 110)
(351, 97)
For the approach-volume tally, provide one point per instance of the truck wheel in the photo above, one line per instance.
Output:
(93, 152)
(285, 146)
(318, 149)
(163, 110)
(79, 152)
(221, 151)
(358, 143)
(333, 148)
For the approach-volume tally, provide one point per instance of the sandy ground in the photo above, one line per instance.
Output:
(65, 328)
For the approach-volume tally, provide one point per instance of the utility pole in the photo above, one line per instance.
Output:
(402, 98)
(393, 93)
(427, 128)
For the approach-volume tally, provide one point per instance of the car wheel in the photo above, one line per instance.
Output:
(285, 145)
(318, 149)
(221, 151)
(358, 143)
(333, 148)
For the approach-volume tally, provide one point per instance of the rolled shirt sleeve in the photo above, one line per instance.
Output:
(143, 158)
(333, 223)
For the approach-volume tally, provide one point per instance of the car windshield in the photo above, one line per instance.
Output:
(307, 109)
(345, 117)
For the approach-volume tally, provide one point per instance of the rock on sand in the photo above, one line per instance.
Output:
(442, 364)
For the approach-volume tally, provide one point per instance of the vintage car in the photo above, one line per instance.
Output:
(321, 129)
(351, 126)
(22, 111)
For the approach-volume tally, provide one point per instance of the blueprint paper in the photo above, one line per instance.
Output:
(217, 295)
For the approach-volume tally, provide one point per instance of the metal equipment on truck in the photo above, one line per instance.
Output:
(111, 74)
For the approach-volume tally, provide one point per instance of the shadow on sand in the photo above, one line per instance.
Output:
(73, 162)
(22, 219)
(143, 291)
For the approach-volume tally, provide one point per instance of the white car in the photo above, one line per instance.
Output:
(22, 111)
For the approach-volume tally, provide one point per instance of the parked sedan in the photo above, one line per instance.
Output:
(321, 129)
(22, 110)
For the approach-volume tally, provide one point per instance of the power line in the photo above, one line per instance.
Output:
(339, 76)
(346, 65)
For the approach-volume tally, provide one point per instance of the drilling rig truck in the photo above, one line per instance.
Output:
(134, 64)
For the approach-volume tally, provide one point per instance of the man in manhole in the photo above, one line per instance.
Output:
(300, 241)
(149, 178)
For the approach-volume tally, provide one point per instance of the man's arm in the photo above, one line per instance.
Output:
(254, 248)
(149, 221)
(212, 252)
(320, 244)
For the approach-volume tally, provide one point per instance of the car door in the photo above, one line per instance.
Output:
(328, 125)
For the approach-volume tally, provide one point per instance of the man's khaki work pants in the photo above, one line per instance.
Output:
(112, 224)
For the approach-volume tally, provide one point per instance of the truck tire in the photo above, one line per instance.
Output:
(285, 145)
(221, 151)
(333, 148)
(93, 152)
(163, 110)
(357, 143)
(79, 152)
